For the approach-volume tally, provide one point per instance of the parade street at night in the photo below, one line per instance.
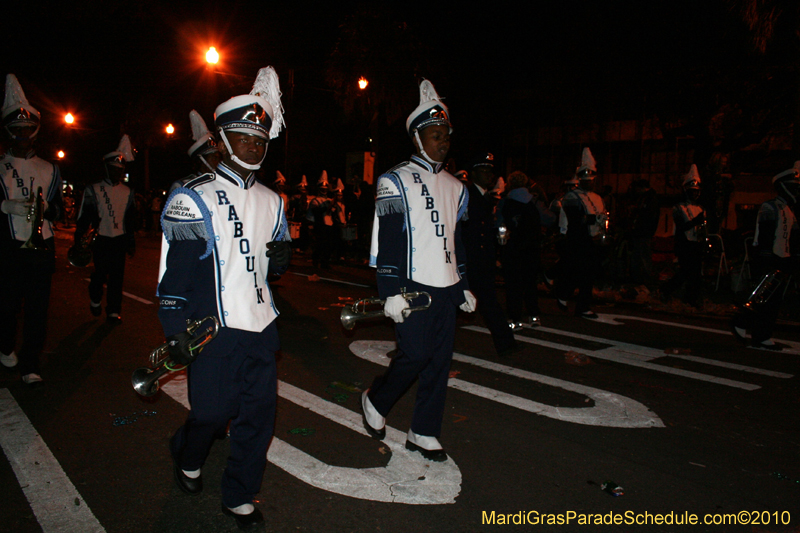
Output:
(670, 408)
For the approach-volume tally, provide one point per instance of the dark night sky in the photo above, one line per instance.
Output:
(140, 64)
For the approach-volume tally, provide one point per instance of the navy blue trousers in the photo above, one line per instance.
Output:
(240, 388)
(109, 268)
(424, 351)
(26, 277)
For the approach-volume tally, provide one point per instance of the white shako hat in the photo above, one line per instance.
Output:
(204, 142)
(788, 176)
(588, 168)
(499, 187)
(303, 185)
(259, 113)
(123, 154)
(430, 111)
(17, 111)
(339, 185)
(692, 178)
(323, 180)
(279, 178)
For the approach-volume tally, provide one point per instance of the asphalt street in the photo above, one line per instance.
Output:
(672, 409)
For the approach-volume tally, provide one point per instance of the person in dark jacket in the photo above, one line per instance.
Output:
(521, 254)
(480, 235)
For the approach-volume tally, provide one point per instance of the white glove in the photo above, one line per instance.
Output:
(16, 207)
(394, 307)
(471, 304)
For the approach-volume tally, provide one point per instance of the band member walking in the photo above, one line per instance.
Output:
(109, 207)
(224, 232)
(417, 247)
(776, 257)
(27, 259)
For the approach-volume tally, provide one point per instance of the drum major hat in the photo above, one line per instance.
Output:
(204, 142)
(430, 111)
(692, 179)
(588, 168)
(17, 111)
(259, 113)
(788, 176)
(123, 154)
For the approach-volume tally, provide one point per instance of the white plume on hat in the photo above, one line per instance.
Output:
(588, 164)
(279, 178)
(15, 98)
(123, 152)
(323, 179)
(792, 172)
(422, 117)
(267, 87)
(200, 133)
(339, 185)
(692, 176)
(500, 186)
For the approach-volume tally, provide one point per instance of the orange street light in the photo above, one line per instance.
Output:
(212, 56)
(362, 83)
(170, 129)
(69, 118)
(61, 154)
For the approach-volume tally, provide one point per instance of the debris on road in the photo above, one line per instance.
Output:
(577, 359)
(612, 488)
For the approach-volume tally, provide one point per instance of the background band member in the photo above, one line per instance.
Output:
(109, 207)
(25, 272)
(319, 214)
(417, 247)
(223, 233)
(690, 219)
(581, 220)
(479, 234)
(776, 248)
(204, 153)
(521, 254)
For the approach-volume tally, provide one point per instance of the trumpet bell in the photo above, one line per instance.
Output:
(145, 380)
(79, 256)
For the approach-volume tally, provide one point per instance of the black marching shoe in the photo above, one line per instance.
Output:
(95, 309)
(245, 521)
(187, 484)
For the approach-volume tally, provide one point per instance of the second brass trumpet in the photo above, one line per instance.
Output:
(358, 310)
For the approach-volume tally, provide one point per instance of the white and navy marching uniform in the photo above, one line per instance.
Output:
(590, 204)
(417, 247)
(775, 226)
(682, 213)
(213, 261)
(111, 209)
(26, 274)
(20, 177)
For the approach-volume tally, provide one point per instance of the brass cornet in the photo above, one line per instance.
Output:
(36, 218)
(80, 254)
(145, 380)
(358, 310)
(769, 285)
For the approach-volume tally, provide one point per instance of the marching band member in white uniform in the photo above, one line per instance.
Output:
(417, 247)
(25, 273)
(109, 207)
(223, 233)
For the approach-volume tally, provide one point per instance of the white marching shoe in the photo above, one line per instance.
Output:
(429, 447)
(8, 361)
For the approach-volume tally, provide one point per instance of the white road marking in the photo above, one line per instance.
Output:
(614, 321)
(610, 410)
(129, 295)
(651, 353)
(407, 478)
(55, 501)
(631, 358)
(333, 280)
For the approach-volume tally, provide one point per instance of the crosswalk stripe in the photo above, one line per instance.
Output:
(57, 504)
(631, 358)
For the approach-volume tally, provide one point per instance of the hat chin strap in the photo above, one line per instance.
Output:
(19, 138)
(422, 150)
(789, 196)
(203, 159)
(236, 159)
